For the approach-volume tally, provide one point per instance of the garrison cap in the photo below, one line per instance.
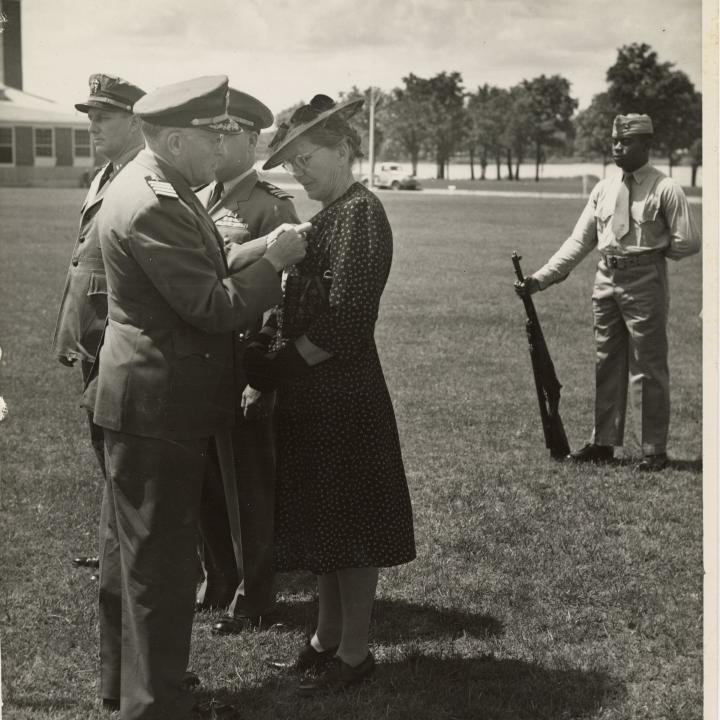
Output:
(108, 92)
(200, 102)
(632, 124)
(248, 113)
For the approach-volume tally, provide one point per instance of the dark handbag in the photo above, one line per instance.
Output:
(306, 297)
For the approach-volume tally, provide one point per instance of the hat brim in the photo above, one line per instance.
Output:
(347, 109)
(99, 105)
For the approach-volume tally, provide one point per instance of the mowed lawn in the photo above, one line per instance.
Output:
(541, 590)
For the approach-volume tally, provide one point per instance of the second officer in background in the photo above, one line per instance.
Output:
(240, 202)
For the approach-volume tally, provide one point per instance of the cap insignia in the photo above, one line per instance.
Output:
(95, 86)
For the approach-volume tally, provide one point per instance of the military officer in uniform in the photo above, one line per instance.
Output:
(239, 200)
(637, 220)
(115, 133)
(165, 388)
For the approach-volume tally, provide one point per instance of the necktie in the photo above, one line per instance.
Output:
(621, 214)
(215, 195)
(106, 175)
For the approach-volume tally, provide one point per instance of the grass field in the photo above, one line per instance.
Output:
(541, 590)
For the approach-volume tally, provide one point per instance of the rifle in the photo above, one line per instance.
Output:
(546, 383)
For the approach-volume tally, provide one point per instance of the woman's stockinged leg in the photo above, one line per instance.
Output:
(330, 618)
(357, 593)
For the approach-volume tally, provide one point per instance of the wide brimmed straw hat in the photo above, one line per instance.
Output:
(306, 117)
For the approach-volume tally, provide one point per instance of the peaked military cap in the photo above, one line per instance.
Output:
(632, 124)
(319, 109)
(108, 92)
(200, 102)
(246, 113)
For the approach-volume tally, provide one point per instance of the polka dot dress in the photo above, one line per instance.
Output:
(342, 499)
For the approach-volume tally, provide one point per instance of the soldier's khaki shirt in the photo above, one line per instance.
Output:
(661, 221)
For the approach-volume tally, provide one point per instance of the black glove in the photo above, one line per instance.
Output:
(267, 372)
(261, 340)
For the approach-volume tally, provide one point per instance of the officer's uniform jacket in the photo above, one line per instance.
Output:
(166, 363)
(252, 203)
(258, 207)
(83, 308)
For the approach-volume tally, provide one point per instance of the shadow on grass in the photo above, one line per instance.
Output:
(397, 620)
(693, 466)
(418, 686)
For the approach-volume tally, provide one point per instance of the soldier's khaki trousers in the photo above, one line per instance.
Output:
(630, 307)
(148, 563)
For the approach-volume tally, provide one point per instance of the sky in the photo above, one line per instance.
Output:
(284, 51)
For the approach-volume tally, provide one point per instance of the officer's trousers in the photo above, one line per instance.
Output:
(148, 566)
(96, 432)
(630, 307)
(250, 592)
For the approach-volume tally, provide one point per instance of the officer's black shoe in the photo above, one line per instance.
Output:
(235, 625)
(653, 463)
(111, 704)
(593, 453)
(190, 680)
(86, 561)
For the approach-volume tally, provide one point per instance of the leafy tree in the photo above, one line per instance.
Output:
(488, 109)
(549, 107)
(517, 135)
(446, 118)
(695, 153)
(593, 128)
(406, 117)
(639, 83)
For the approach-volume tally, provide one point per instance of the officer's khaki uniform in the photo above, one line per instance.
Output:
(630, 299)
(83, 307)
(259, 207)
(164, 389)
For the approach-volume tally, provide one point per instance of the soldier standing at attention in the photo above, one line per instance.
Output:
(637, 220)
(165, 387)
(116, 135)
(239, 200)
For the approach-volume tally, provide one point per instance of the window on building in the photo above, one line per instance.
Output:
(44, 142)
(81, 141)
(7, 155)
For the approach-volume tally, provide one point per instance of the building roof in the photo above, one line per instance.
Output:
(17, 106)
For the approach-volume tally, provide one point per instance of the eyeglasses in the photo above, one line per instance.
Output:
(299, 163)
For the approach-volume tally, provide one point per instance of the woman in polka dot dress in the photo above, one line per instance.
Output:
(342, 503)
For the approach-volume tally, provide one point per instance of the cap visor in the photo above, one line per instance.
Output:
(97, 105)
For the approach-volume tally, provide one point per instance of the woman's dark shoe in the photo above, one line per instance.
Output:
(336, 677)
(308, 659)
(311, 659)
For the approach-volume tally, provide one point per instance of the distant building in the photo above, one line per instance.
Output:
(41, 142)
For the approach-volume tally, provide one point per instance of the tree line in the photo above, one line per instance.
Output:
(436, 118)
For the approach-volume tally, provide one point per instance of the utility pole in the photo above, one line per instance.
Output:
(371, 140)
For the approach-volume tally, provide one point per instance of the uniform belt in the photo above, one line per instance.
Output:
(626, 261)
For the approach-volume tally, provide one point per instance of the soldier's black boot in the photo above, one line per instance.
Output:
(593, 453)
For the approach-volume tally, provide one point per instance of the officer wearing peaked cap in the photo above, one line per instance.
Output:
(240, 200)
(636, 219)
(115, 134)
(164, 393)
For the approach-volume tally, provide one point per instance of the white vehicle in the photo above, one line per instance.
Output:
(392, 175)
